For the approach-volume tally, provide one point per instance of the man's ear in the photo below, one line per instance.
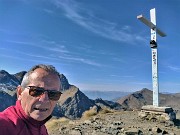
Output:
(19, 91)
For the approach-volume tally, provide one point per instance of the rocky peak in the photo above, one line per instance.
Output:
(73, 103)
(20, 75)
(65, 83)
(137, 99)
(6, 78)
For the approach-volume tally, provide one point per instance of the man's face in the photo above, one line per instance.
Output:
(39, 108)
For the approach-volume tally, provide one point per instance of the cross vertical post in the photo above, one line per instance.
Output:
(153, 44)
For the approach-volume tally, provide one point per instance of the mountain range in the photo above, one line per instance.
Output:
(73, 102)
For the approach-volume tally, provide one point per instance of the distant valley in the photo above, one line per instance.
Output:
(105, 95)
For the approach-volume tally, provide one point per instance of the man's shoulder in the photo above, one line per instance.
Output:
(7, 115)
(7, 110)
(6, 125)
(8, 121)
(4, 120)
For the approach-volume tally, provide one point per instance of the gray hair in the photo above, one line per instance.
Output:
(48, 68)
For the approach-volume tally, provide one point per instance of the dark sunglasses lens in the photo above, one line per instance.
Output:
(35, 92)
(54, 95)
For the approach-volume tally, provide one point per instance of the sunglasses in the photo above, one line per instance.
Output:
(38, 91)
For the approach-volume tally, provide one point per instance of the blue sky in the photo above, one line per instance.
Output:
(96, 44)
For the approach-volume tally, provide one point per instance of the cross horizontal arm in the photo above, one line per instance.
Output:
(151, 25)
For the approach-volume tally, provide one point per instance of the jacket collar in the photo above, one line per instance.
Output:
(27, 119)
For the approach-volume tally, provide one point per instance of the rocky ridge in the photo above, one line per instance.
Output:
(9, 80)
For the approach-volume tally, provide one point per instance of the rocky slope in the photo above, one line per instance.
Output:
(73, 103)
(112, 123)
(6, 100)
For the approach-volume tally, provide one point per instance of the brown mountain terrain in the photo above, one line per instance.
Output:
(145, 97)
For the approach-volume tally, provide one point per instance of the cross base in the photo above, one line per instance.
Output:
(161, 114)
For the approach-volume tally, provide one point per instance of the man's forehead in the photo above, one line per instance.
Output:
(42, 76)
(40, 71)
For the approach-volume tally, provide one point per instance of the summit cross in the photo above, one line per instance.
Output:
(152, 25)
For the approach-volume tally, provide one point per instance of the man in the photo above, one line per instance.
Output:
(37, 96)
